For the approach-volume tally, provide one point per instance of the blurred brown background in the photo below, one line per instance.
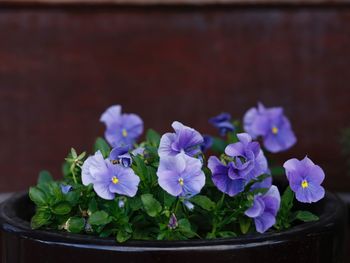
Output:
(62, 65)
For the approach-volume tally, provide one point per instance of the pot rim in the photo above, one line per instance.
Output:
(332, 208)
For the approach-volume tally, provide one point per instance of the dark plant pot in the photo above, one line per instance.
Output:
(321, 241)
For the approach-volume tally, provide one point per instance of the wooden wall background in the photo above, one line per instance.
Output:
(62, 65)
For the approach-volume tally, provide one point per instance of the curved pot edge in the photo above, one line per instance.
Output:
(334, 209)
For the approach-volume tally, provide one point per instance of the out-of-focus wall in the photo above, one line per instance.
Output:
(62, 66)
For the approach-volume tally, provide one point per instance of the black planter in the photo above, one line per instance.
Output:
(321, 241)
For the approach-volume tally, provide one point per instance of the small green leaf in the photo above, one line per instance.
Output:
(37, 196)
(61, 208)
(226, 234)
(102, 146)
(306, 216)
(73, 153)
(75, 224)
(99, 218)
(244, 224)
(44, 177)
(151, 205)
(123, 236)
(203, 201)
(287, 199)
(153, 137)
(73, 197)
(40, 219)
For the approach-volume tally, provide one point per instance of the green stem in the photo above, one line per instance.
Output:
(177, 205)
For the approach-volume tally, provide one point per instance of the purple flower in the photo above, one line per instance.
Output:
(122, 129)
(121, 155)
(109, 179)
(185, 139)
(264, 209)
(181, 175)
(305, 179)
(248, 162)
(173, 224)
(65, 188)
(272, 125)
(223, 182)
(207, 143)
(223, 123)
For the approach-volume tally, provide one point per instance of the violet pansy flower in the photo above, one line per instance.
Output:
(264, 209)
(121, 155)
(181, 175)
(272, 125)
(185, 139)
(305, 179)
(248, 162)
(121, 129)
(223, 123)
(207, 143)
(109, 179)
(222, 181)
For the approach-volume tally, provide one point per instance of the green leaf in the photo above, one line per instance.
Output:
(244, 224)
(73, 153)
(102, 146)
(141, 168)
(135, 203)
(37, 196)
(151, 205)
(73, 197)
(306, 216)
(44, 177)
(61, 208)
(40, 219)
(93, 205)
(226, 234)
(204, 202)
(185, 228)
(75, 224)
(99, 218)
(123, 236)
(153, 137)
(277, 170)
(287, 199)
(218, 145)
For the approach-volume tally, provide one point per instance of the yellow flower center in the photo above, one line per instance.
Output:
(274, 130)
(181, 181)
(115, 180)
(125, 133)
(304, 184)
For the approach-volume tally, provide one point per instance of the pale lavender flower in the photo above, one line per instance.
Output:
(223, 122)
(264, 209)
(121, 203)
(189, 205)
(181, 175)
(305, 179)
(138, 151)
(272, 125)
(109, 179)
(248, 162)
(65, 188)
(121, 129)
(185, 139)
(121, 155)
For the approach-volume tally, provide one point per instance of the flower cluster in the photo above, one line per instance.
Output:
(166, 188)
